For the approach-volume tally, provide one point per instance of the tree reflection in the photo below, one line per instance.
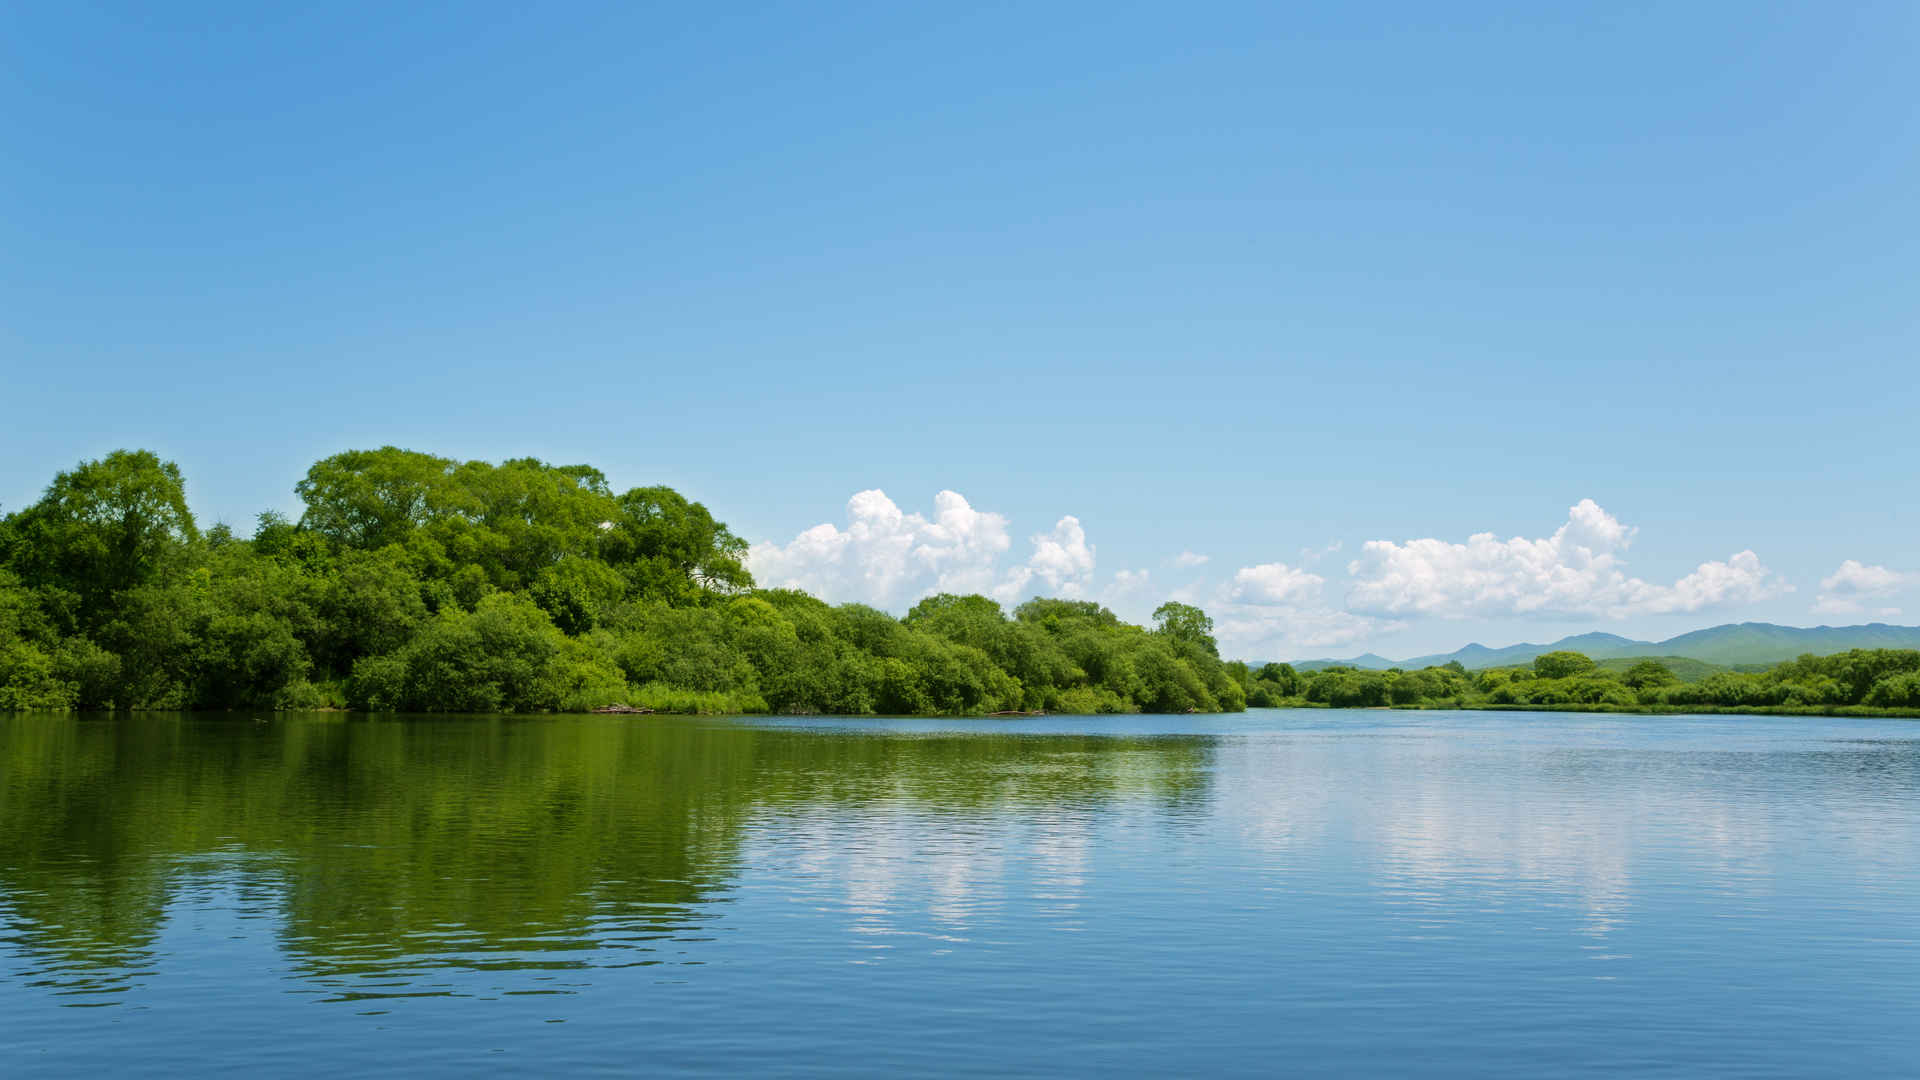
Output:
(468, 843)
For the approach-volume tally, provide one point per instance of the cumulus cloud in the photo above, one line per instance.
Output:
(1273, 610)
(1268, 632)
(1851, 589)
(1190, 559)
(1314, 555)
(1578, 571)
(1127, 583)
(889, 558)
(1063, 555)
(1062, 559)
(1275, 583)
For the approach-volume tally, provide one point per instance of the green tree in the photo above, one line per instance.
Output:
(1649, 674)
(370, 603)
(104, 527)
(371, 498)
(1186, 624)
(1563, 664)
(672, 549)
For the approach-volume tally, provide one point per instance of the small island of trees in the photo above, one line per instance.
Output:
(415, 583)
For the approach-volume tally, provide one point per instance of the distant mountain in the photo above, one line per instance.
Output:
(1733, 643)
(1684, 668)
(1594, 644)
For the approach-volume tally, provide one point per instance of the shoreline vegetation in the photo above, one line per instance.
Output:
(414, 583)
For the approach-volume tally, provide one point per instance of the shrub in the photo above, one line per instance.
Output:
(1899, 690)
(28, 681)
(90, 671)
(1561, 664)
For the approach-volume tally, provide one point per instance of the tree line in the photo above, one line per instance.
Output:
(1883, 680)
(412, 582)
(416, 583)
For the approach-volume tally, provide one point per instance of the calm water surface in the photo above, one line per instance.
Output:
(1309, 893)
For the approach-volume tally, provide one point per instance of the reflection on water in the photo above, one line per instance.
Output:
(1358, 891)
(389, 851)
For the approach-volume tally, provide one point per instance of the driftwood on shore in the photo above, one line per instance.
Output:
(623, 710)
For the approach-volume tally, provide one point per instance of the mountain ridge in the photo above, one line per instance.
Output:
(1728, 643)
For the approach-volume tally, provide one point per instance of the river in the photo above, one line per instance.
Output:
(1314, 893)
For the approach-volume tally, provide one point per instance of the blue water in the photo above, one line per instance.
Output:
(1311, 893)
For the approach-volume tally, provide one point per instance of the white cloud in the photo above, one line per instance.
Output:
(1267, 632)
(1128, 582)
(1275, 611)
(1847, 590)
(1856, 579)
(1576, 571)
(1063, 555)
(1189, 559)
(1314, 555)
(1062, 559)
(1742, 579)
(1275, 583)
(1185, 594)
(889, 558)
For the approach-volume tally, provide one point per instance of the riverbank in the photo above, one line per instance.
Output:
(1892, 713)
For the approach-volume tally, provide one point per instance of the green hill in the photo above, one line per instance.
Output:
(1766, 643)
(1730, 645)
(1686, 669)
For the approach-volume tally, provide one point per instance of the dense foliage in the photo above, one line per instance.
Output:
(418, 583)
(1875, 679)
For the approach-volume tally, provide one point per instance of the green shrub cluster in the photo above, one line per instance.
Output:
(418, 583)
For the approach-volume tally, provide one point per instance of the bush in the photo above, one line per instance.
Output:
(240, 659)
(1649, 673)
(1086, 701)
(663, 698)
(378, 684)
(90, 671)
(1562, 664)
(28, 680)
(304, 696)
(1898, 690)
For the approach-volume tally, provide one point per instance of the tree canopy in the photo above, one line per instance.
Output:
(412, 582)
(421, 583)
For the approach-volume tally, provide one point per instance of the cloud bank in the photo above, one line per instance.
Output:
(1857, 589)
(1575, 572)
(890, 558)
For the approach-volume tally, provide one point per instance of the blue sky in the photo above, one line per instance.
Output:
(1236, 281)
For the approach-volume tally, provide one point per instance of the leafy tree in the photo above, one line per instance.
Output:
(28, 679)
(1284, 679)
(672, 549)
(1649, 674)
(1902, 690)
(1562, 664)
(370, 603)
(90, 673)
(1186, 624)
(371, 498)
(101, 528)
